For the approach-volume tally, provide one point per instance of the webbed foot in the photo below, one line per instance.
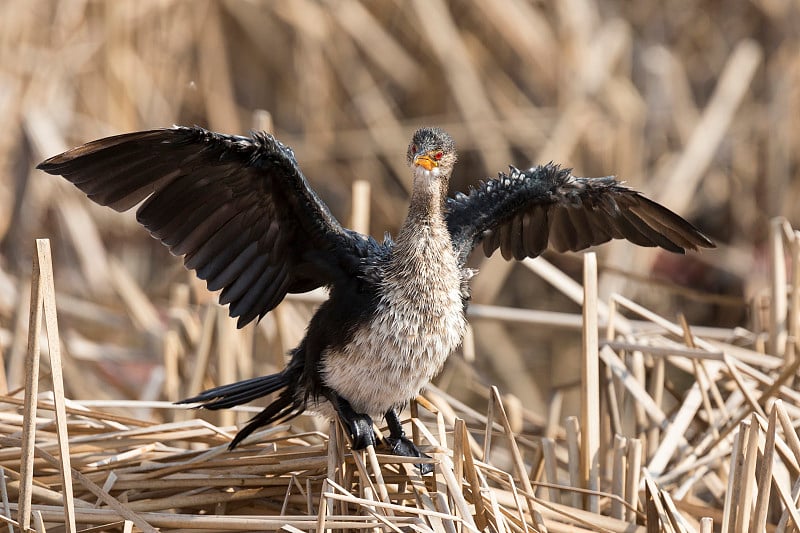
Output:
(361, 432)
(402, 445)
(358, 425)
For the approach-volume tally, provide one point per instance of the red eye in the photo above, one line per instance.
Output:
(438, 155)
(413, 148)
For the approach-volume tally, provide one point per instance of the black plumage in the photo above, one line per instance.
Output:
(244, 217)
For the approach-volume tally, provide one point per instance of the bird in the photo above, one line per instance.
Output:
(244, 217)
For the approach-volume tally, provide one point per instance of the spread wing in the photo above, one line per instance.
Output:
(238, 209)
(525, 211)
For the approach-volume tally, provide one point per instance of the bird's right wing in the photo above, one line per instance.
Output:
(237, 208)
(525, 211)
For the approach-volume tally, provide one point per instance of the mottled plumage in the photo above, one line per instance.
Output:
(245, 219)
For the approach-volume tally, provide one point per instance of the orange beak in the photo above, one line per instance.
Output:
(425, 161)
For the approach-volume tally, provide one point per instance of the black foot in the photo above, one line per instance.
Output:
(361, 432)
(358, 425)
(403, 446)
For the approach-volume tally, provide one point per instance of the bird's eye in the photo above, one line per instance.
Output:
(438, 155)
(413, 148)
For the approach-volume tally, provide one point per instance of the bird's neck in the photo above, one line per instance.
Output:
(424, 241)
(427, 200)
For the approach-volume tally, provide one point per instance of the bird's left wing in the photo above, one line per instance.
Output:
(525, 211)
(237, 208)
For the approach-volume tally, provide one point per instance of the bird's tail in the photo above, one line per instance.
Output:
(287, 405)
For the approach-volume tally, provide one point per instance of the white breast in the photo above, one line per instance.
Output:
(418, 323)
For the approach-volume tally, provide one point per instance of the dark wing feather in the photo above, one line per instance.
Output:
(237, 208)
(524, 211)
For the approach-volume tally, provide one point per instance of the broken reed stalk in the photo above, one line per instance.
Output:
(360, 210)
(619, 476)
(44, 263)
(764, 475)
(43, 303)
(746, 493)
(31, 393)
(590, 385)
(778, 304)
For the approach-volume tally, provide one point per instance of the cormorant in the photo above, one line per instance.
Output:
(245, 218)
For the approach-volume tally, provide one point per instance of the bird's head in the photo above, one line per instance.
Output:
(431, 153)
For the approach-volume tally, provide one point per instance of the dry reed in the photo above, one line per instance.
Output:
(695, 424)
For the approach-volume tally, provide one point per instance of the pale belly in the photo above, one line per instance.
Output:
(391, 358)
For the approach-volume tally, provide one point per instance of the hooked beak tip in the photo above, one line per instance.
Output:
(424, 161)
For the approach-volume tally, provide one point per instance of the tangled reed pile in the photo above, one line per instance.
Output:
(694, 105)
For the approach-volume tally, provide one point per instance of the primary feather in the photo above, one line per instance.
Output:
(238, 209)
(524, 212)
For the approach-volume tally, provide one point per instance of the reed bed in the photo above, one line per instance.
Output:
(657, 394)
(644, 455)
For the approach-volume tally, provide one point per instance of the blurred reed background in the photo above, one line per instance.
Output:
(693, 102)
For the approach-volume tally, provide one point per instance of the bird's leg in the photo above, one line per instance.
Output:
(402, 445)
(358, 424)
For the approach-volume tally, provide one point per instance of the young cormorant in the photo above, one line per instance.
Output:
(242, 214)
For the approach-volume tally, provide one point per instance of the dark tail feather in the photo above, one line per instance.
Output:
(226, 396)
(287, 405)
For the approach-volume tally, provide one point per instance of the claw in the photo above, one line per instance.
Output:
(358, 424)
(361, 433)
(403, 447)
